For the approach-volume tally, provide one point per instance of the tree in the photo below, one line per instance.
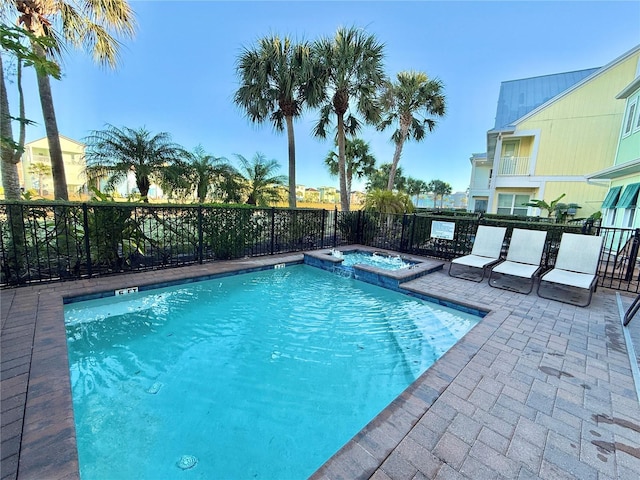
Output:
(349, 73)
(388, 202)
(200, 171)
(42, 170)
(416, 187)
(379, 178)
(412, 101)
(86, 25)
(115, 152)
(273, 75)
(550, 208)
(359, 161)
(439, 189)
(15, 40)
(261, 180)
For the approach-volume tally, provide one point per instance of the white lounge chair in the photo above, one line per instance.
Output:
(576, 266)
(523, 260)
(485, 252)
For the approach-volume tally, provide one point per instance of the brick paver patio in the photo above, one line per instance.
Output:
(539, 389)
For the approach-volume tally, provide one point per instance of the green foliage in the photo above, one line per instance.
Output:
(357, 227)
(386, 202)
(359, 161)
(379, 178)
(260, 179)
(439, 189)
(114, 152)
(273, 77)
(20, 42)
(229, 232)
(411, 103)
(349, 70)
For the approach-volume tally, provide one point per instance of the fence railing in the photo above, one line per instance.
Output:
(47, 242)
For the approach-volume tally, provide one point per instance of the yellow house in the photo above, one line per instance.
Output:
(619, 208)
(34, 168)
(546, 150)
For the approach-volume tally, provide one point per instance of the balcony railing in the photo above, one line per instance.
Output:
(514, 166)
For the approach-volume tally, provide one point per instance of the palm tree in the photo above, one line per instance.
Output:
(273, 75)
(42, 171)
(116, 152)
(12, 40)
(439, 189)
(359, 161)
(378, 179)
(349, 73)
(261, 180)
(416, 187)
(80, 24)
(200, 172)
(412, 101)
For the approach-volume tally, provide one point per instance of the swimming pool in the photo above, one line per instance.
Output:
(264, 374)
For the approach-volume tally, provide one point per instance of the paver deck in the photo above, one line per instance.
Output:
(539, 389)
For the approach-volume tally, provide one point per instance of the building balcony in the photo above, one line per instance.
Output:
(514, 166)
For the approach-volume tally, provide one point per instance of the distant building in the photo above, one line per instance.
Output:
(34, 168)
(328, 195)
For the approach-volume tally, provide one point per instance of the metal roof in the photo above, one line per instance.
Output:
(519, 97)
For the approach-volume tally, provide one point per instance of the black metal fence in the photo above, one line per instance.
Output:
(46, 242)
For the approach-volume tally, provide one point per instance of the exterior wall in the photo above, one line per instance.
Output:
(579, 132)
(629, 147)
(588, 196)
(531, 192)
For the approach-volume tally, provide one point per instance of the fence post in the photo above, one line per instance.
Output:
(359, 235)
(273, 229)
(87, 244)
(324, 220)
(200, 236)
(633, 255)
(404, 224)
(413, 230)
(335, 227)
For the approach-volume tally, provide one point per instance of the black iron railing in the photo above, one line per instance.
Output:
(46, 242)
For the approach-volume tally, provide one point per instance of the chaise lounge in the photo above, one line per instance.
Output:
(576, 268)
(522, 263)
(485, 253)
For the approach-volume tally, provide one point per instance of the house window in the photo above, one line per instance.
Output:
(511, 204)
(629, 214)
(609, 217)
(631, 114)
(628, 201)
(609, 206)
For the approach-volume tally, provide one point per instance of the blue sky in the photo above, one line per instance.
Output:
(178, 74)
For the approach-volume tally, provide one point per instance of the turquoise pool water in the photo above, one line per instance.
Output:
(261, 375)
(386, 262)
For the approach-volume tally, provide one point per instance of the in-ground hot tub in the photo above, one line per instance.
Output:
(378, 267)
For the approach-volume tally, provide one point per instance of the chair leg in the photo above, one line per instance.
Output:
(631, 311)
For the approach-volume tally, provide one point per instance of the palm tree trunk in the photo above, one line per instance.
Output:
(344, 196)
(10, 157)
(292, 162)
(53, 137)
(396, 156)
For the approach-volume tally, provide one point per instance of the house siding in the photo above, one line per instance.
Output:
(579, 132)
